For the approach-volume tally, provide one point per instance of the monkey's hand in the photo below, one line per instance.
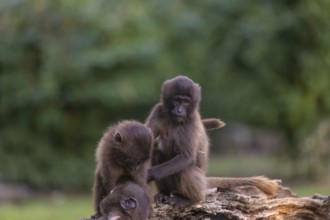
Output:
(96, 216)
(154, 174)
(150, 176)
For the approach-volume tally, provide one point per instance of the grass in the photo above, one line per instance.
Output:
(311, 189)
(47, 208)
(274, 168)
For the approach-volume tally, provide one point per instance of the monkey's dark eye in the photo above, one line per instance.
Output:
(128, 203)
(118, 138)
(175, 103)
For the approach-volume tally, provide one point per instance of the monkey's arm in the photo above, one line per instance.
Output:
(170, 167)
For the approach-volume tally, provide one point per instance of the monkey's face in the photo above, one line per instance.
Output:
(180, 96)
(118, 208)
(180, 106)
(125, 202)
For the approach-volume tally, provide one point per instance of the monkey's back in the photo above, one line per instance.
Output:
(131, 161)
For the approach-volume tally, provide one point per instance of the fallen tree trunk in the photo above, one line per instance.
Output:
(249, 203)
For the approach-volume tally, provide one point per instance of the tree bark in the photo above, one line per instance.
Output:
(249, 203)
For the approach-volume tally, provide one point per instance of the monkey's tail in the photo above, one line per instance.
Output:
(266, 185)
(213, 123)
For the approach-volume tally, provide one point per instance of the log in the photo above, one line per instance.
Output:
(249, 203)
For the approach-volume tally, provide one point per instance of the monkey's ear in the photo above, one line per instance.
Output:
(128, 203)
(118, 138)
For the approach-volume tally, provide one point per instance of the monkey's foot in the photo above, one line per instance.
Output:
(161, 198)
(178, 202)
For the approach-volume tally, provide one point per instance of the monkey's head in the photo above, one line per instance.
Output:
(127, 201)
(131, 143)
(180, 97)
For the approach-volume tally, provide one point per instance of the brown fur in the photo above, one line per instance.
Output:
(180, 157)
(123, 154)
(264, 184)
(113, 205)
(213, 123)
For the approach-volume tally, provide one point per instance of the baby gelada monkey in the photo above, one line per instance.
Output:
(123, 154)
(180, 155)
(127, 201)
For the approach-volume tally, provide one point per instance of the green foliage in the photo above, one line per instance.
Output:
(272, 63)
(68, 68)
(64, 78)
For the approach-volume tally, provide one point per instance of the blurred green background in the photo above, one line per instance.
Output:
(69, 68)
